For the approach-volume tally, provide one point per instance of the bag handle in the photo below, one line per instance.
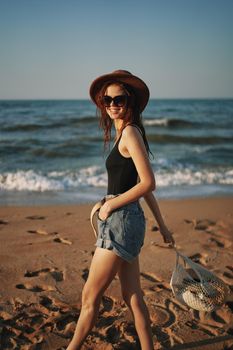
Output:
(94, 210)
(189, 262)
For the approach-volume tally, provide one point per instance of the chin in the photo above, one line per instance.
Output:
(115, 116)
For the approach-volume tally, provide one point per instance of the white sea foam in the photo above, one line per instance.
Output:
(53, 181)
(28, 181)
(191, 177)
(95, 176)
(158, 122)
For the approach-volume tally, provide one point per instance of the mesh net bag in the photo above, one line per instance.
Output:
(195, 286)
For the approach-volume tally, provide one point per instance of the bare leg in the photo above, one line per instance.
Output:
(104, 267)
(132, 295)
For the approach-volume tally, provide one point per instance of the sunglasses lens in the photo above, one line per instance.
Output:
(107, 100)
(118, 101)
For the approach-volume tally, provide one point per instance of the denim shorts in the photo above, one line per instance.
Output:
(123, 231)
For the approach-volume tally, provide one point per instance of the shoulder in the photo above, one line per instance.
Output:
(131, 131)
(132, 137)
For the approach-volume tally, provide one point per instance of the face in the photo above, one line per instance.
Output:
(116, 109)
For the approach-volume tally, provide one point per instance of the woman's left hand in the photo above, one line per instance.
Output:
(167, 235)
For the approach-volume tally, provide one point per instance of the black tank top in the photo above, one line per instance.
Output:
(122, 173)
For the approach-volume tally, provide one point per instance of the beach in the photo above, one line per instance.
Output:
(45, 254)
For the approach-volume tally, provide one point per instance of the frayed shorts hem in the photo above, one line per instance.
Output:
(109, 245)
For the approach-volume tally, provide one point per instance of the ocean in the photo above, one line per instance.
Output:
(51, 151)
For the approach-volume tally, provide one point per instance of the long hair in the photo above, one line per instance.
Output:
(131, 116)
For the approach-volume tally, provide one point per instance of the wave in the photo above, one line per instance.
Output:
(173, 123)
(194, 177)
(67, 122)
(204, 140)
(95, 176)
(53, 181)
(176, 123)
(22, 127)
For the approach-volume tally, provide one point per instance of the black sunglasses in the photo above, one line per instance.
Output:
(118, 101)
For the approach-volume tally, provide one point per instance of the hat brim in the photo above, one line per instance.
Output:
(139, 87)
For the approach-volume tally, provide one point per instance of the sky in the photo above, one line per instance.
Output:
(54, 49)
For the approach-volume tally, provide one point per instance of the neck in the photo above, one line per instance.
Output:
(118, 123)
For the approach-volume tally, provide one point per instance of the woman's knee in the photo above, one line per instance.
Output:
(90, 298)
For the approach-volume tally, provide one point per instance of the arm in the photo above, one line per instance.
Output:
(154, 207)
(133, 146)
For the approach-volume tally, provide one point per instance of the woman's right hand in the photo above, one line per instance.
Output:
(167, 235)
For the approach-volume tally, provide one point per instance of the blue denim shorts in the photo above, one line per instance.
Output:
(123, 231)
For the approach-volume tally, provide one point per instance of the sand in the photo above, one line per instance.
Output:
(45, 253)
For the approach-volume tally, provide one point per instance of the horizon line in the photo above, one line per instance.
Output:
(88, 99)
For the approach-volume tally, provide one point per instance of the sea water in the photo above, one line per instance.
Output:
(51, 152)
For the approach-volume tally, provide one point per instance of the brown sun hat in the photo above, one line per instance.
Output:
(122, 76)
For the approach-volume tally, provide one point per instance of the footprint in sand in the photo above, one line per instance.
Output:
(49, 303)
(166, 316)
(36, 217)
(29, 326)
(220, 242)
(209, 226)
(66, 324)
(215, 229)
(4, 222)
(4, 316)
(45, 233)
(149, 276)
(202, 259)
(216, 242)
(112, 334)
(223, 316)
(57, 275)
(154, 228)
(213, 323)
(227, 276)
(62, 240)
(108, 303)
(61, 317)
(229, 268)
(162, 315)
(113, 327)
(107, 316)
(42, 232)
(85, 273)
(35, 288)
(157, 282)
(153, 243)
(201, 224)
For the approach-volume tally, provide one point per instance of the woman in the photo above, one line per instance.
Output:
(121, 97)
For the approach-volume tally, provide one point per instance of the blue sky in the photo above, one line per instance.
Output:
(55, 48)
